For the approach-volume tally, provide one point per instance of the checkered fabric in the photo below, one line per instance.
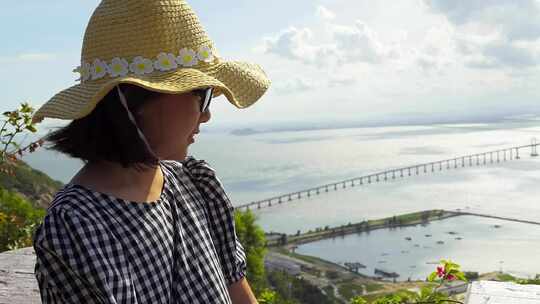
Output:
(96, 248)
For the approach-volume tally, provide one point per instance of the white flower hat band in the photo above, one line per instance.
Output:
(119, 67)
(121, 46)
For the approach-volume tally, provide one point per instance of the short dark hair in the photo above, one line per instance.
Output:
(107, 133)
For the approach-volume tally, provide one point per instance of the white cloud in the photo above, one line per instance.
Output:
(28, 57)
(347, 44)
(324, 13)
(294, 85)
(512, 29)
(296, 44)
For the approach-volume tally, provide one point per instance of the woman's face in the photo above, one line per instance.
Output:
(169, 123)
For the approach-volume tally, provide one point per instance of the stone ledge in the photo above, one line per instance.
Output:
(17, 280)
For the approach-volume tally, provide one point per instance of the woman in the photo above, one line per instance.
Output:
(142, 222)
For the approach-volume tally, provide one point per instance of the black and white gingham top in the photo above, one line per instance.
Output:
(96, 248)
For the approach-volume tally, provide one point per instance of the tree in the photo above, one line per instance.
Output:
(18, 218)
(253, 240)
(18, 221)
(17, 122)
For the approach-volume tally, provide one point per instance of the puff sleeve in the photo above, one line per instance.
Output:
(221, 219)
(69, 267)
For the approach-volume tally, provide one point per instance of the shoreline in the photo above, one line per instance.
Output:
(400, 221)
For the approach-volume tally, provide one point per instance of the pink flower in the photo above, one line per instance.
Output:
(440, 271)
(450, 277)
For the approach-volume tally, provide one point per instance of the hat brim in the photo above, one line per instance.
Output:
(242, 83)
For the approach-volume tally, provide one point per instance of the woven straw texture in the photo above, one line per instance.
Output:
(130, 28)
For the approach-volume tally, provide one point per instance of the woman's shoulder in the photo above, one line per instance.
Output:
(197, 169)
(69, 197)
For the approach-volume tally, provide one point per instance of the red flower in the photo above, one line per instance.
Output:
(440, 271)
(450, 277)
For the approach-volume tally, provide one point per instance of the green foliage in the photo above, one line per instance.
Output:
(15, 122)
(447, 271)
(358, 300)
(267, 296)
(505, 277)
(471, 275)
(509, 278)
(18, 221)
(349, 290)
(254, 242)
(332, 274)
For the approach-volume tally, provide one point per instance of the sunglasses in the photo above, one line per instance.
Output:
(206, 97)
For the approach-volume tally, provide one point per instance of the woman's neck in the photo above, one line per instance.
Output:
(127, 183)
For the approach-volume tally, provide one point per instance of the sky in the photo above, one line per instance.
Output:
(359, 61)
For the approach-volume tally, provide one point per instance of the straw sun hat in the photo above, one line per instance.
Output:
(156, 44)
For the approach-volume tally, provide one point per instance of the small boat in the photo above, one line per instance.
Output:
(428, 235)
(459, 238)
(440, 242)
(416, 245)
(408, 238)
(496, 226)
(452, 232)
(384, 254)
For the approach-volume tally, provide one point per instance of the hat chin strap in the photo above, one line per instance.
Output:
(141, 135)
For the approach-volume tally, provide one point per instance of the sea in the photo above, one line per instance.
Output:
(258, 163)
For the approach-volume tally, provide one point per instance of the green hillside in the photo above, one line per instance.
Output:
(32, 184)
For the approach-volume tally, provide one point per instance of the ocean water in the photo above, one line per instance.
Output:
(259, 165)
(512, 248)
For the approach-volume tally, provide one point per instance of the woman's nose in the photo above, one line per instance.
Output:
(205, 116)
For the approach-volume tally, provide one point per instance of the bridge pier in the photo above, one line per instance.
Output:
(369, 179)
(393, 174)
(425, 170)
(377, 178)
(259, 205)
(401, 171)
(517, 153)
(409, 169)
(326, 188)
(416, 170)
(290, 199)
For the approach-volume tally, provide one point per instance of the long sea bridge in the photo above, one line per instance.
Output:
(479, 159)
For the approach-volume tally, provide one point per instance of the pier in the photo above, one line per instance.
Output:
(479, 159)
